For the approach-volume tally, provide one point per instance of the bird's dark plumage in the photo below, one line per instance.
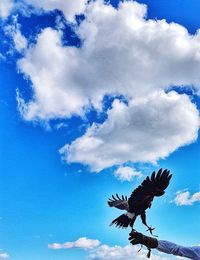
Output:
(117, 202)
(140, 199)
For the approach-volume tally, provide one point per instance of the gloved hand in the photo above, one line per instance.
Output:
(138, 238)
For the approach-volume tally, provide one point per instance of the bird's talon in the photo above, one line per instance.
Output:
(150, 229)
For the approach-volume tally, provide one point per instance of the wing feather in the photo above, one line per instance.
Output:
(120, 203)
(153, 176)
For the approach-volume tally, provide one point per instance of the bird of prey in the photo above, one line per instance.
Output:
(140, 199)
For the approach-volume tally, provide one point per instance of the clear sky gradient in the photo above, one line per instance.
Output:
(45, 199)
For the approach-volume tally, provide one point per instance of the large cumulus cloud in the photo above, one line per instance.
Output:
(146, 130)
(122, 53)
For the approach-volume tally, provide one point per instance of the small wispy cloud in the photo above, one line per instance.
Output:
(4, 256)
(2, 57)
(83, 243)
(185, 198)
(126, 173)
(20, 43)
(60, 125)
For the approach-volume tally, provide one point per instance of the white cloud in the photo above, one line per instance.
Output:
(139, 57)
(68, 7)
(13, 31)
(115, 252)
(60, 125)
(83, 243)
(55, 246)
(4, 256)
(125, 173)
(121, 53)
(144, 131)
(98, 251)
(54, 95)
(129, 252)
(19, 41)
(2, 57)
(6, 7)
(184, 198)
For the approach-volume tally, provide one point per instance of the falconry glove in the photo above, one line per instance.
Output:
(138, 238)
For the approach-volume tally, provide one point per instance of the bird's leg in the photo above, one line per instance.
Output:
(150, 229)
(132, 223)
(132, 229)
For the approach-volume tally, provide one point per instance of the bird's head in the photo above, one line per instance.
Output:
(159, 193)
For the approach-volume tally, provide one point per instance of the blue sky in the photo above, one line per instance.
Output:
(93, 98)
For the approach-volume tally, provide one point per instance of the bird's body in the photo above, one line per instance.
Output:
(140, 199)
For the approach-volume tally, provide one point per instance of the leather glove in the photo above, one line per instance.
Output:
(138, 238)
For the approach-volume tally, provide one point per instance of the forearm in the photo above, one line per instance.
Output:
(171, 248)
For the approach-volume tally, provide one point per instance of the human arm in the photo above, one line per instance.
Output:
(174, 249)
(164, 246)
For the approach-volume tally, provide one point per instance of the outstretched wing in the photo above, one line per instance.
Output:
(143, 195)
(117, 202)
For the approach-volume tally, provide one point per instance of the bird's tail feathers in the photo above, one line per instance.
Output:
(123, 221)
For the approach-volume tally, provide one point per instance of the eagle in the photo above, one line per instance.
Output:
(140, 199)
